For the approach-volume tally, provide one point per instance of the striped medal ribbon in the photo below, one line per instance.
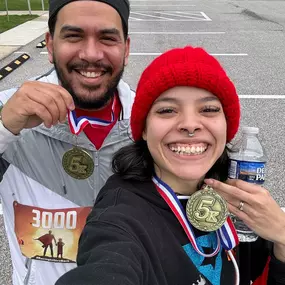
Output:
(76, 162)
(226, 235)
(78, 124)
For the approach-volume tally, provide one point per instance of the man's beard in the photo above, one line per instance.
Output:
(90, 103)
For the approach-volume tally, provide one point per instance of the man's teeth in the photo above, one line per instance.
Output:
(188, 149)
(90, 74)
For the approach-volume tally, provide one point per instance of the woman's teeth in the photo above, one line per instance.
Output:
(188, 149)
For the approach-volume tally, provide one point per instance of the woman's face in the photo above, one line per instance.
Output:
(175, 113)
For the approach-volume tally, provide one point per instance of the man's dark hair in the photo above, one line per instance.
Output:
(134, 162)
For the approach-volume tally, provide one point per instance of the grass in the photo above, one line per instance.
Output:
(22, 5)
(15, 20)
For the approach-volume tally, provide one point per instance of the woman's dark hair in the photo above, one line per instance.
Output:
(134, 162)
(52, 22)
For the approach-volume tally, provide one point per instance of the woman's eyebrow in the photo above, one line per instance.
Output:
(209, 99)
(175, 100)
(166, 99)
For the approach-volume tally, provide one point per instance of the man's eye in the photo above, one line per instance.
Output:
(72, 36)
(165, 111)
(109, 39)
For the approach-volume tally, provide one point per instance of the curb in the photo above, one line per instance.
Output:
(6, 70)
(23, 34)
(41, 44)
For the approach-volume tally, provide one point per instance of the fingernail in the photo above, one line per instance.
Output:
(209, 181)
(71, 107)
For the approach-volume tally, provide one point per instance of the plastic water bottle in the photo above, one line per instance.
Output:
(247, 162)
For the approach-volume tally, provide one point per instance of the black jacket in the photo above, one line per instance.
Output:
(132, 238)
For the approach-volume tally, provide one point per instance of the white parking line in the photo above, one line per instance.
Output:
(176, 33)
(177, 15)
(159, 53)
(133, 18)
(177, 5)
(157, 1)
(194, 14)
(151, 1)
(160, 1)
(214, 54)
(206, 17)
(174, 16)
(151, 16)
(20, 52)
(251, 96)
(176, 20)
(229, 54)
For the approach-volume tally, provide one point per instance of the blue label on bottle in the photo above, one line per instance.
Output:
(253, 172)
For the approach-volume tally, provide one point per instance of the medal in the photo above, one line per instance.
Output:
(206, 210)
(78, 163)
(209, 207)
(226, 234)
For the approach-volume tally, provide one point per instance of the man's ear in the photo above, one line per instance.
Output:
(127, 51)
(49, 45)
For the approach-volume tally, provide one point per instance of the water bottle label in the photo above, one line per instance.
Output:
(249, 171)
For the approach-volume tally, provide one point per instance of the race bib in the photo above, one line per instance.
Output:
(49, 235)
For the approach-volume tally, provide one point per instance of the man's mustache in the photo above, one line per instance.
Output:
(97, 65)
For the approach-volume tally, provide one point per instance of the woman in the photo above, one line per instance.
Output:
(185, 111)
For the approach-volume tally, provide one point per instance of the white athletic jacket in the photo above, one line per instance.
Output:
(38, 196)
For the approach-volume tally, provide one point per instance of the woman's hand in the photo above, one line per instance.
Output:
(260, 212)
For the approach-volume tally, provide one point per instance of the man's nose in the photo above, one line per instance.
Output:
(91, 51)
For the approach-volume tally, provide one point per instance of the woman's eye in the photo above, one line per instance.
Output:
(211, 109)
(165, 111)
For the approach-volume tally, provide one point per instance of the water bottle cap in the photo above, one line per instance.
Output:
(250, 130)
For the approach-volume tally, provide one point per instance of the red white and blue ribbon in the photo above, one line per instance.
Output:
(78, 124)
(226, 235)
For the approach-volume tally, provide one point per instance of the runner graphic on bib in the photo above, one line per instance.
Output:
(49, 234)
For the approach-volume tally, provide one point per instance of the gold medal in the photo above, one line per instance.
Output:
(78, 163)
(206, 210)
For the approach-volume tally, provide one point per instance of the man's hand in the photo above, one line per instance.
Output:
(35, 103)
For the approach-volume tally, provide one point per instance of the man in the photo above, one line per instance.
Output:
(52, 168)
(47, 240)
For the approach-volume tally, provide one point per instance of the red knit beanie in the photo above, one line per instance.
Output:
(184, 67)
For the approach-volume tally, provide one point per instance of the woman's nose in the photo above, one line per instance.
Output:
(189, 124)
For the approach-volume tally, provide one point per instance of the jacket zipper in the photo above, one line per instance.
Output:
(28, 265)
(97, 175)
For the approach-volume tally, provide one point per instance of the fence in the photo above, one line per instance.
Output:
(29, 6)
